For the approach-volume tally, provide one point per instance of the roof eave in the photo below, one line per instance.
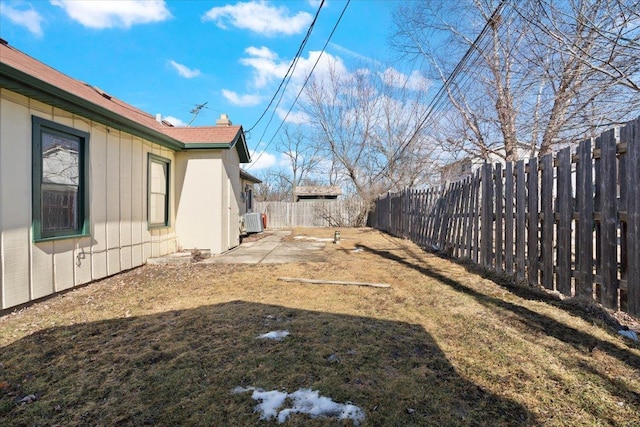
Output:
(32, 87)
(239, 142)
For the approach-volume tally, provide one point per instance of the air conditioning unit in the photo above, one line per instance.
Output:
(253, 222)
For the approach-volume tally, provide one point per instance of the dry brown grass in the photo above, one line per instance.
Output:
(165, 345)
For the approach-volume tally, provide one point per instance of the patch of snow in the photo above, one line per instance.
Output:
(629, 334)
(274, 335)
(303, 401)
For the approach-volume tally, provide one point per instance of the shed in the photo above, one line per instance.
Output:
(317, 192)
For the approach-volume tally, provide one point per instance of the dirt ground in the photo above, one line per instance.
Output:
(445, 344)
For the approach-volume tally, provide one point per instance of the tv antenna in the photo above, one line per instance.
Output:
(195, 111)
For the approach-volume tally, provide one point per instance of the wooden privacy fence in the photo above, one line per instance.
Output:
(313, 213)
(568, 221)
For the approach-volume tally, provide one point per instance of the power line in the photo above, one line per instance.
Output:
(439, 96)
(303, 84)
(292, 66)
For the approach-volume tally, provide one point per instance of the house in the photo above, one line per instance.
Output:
(91, 186)
(465, 167)
(247, 182)
(316, 192)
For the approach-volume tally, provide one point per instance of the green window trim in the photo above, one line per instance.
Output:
(59, 185)
(158, 191)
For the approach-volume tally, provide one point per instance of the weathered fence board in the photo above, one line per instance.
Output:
(584, 244)
(521, 200)
(608, 230)
(497, 177)
(533, 242)
(508, 218)
(474, 201)
(546, 238)
(316, 213)
(632, 138)
(486, 228)
(569, 221)
(564, 205)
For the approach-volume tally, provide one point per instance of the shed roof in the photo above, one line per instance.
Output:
(318, 191)
(248, 177)
(23, 74)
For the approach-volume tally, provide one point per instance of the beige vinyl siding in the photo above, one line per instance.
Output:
(15, 200)
(98, 201)
(137, 201)
(117, 187)
(207, 200)
(126, 143)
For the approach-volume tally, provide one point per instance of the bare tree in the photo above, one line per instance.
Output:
(368, 124)
(273, 188)
(302, 155)
(534, 74)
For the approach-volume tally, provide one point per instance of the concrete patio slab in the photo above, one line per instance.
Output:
(271, 250)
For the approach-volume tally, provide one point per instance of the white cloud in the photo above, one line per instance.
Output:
(262, 160)
(175, 121)
(30, 19)
(184, 71)
(414, 81)
(267, 66)
(295, 117)
(241, 100)
(348, 52)
(259, 17)
(102, 14)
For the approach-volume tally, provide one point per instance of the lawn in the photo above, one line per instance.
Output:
(443, 346)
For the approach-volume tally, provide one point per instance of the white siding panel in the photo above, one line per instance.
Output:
(15, 245)
(41, 109)
(113, 202)
(136, 255)
(63, 264)
(82, 252)
(97, 194)
(147, 248)
(42, 283)
(138, 179)
(125, 258)
(125, 190)
(82, 260)
(63, 117)
(2, 91)
(15, 201)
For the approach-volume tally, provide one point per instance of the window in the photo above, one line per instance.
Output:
(60, 165)
(158, 197)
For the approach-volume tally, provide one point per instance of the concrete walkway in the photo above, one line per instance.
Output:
(271, 250)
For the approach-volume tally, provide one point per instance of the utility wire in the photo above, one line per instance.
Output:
(284, 119)
(438, 98)
(292, 66)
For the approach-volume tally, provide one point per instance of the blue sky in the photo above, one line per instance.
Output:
(169, 56)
